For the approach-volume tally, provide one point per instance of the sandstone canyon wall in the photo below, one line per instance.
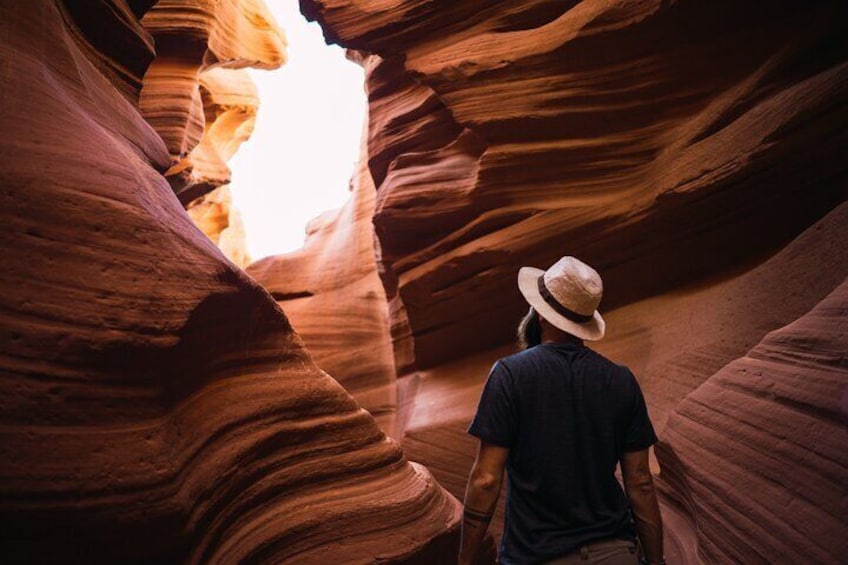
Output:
(757, 454)
(331, 291)
(156, 404)
(694, 153)
(215, 215)
(642, 134)
(204, 105)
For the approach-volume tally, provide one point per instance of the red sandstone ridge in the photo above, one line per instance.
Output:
(204, 105)
(156, 405)
(214, 215)
(230, 103)
(673, 342)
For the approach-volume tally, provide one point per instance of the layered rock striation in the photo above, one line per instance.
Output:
(156, 404)
(640, 136)
(756, 455)
(230, 103)
(216, 216)
(673, 342)
(202, 109)
(692, 152)
(203, 104)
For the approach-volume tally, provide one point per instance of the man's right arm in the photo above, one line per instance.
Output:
(639, 486)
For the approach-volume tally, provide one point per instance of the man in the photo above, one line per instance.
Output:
(559, 417)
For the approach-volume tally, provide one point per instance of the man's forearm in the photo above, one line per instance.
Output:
(474, 526)
(481, 497)
(646, 512)
(639, 486)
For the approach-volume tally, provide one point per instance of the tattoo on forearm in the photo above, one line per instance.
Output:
(476, 516)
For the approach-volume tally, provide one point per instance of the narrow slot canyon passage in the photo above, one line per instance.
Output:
(299, 151)
(304, 148)
(299, 217)
(190, 375)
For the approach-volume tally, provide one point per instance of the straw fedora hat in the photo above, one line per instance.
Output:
(567, 295)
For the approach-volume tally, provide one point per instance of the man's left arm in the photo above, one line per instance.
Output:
(481, 497)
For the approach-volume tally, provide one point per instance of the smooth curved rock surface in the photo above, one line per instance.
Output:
(691, 151)
(757, 454)
(673, 343)
(230, 103)
(114, 40)
(155, 404)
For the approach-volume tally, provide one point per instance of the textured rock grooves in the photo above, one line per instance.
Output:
(214, 214)
(762, 443)
(673, 342)
(641, 134)
(692, 151)
(203, 107)
(156, 405)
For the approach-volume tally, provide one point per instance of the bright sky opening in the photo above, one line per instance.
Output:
(303, 151)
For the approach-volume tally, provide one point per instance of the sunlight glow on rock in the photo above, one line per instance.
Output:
(298, 162)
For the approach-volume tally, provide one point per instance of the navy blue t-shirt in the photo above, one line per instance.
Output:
(567, 414)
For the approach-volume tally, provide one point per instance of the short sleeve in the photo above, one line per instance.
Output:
(639, 431)
(496, 419)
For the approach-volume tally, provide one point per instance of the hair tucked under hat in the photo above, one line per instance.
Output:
(529, 330)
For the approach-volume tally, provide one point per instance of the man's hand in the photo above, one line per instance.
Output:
(639, 486)
(481, 497)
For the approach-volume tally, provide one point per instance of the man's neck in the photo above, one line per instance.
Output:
(552, 335)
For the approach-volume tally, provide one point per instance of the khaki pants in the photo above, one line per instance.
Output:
(605, 552)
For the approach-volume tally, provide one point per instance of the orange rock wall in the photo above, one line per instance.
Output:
(640, 136)
(156, 405)
(230, 103)
(673, 342)
(215, 215)
(692, 152)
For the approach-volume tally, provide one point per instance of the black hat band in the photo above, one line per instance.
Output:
(559, 308)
